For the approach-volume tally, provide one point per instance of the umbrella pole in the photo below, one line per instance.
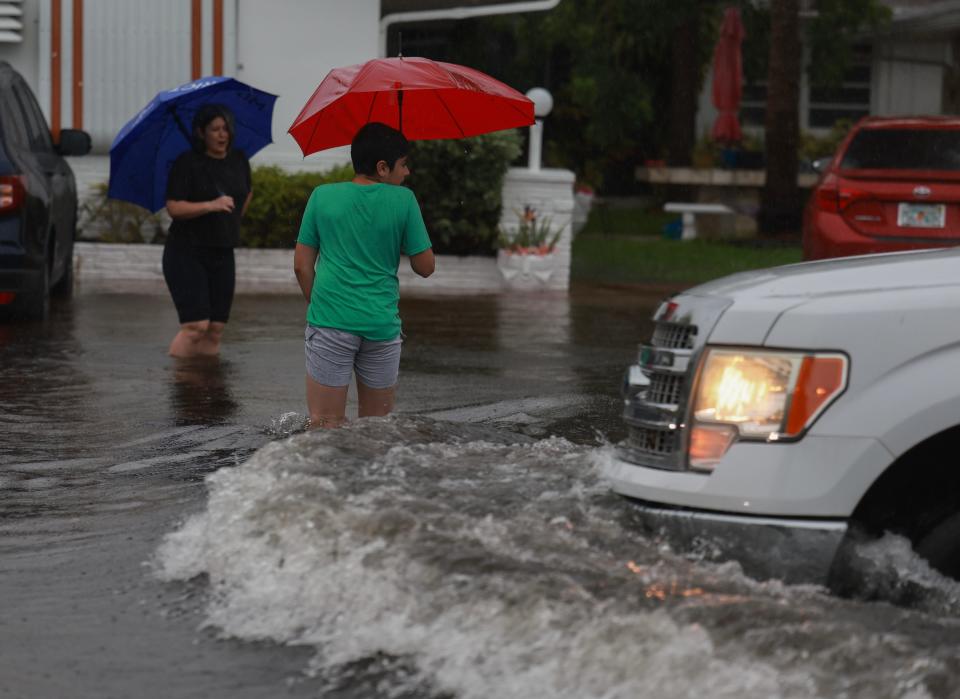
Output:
(183, 129)
(400, 110)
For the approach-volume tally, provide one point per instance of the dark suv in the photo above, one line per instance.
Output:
(38, 201)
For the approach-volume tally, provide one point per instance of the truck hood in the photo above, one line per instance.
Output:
(845, 275)
(754, 300)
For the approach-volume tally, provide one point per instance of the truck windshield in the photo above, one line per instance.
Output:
(903, 149)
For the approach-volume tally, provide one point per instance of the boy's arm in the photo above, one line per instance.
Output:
(304, 266)
(423, 263)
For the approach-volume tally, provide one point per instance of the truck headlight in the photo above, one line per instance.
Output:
(759, 395)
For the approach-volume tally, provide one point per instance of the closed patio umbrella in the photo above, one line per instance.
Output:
(727, 86)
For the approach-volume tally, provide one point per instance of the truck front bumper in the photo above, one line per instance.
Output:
(792, 550)
(781, 509)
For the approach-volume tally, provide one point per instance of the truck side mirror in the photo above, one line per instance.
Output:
(73, 142)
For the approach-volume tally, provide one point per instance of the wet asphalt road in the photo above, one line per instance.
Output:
(105, 442)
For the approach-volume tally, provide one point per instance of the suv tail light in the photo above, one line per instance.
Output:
(12, 193)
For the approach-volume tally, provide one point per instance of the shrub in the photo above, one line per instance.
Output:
(279, 197)
(813, 147)
(459, 186)
(272, 221)
(114, 221)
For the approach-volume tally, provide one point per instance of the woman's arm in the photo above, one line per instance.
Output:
(192, 209)
(246, 204)
(304, 266)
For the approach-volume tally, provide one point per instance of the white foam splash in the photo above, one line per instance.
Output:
(499, 568)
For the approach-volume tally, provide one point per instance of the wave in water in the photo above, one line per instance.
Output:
(501, 566)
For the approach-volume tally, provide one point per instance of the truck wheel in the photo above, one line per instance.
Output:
(941, 546)
(848, 573)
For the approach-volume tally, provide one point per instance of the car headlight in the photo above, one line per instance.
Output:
(754, 394)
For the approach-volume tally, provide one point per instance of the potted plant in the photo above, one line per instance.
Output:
(526, 256)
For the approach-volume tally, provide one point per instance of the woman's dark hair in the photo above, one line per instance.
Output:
(375, 142)
(205, 114)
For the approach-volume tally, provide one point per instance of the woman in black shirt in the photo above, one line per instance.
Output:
(208, 191)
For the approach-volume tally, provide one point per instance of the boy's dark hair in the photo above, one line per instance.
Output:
(205, 114)
(375, 142)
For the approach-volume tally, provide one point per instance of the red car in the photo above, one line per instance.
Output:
(894, 184)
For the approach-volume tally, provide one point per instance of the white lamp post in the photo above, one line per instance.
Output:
(542, 104)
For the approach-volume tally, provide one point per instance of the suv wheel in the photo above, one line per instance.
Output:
(64, 286)
(37, 306)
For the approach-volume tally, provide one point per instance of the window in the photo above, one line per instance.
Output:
(849, 100)
(11, 116)
(753, 104)
(904, 149)
(826, 105)
(38, 132)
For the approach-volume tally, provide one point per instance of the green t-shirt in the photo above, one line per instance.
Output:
(360, 232)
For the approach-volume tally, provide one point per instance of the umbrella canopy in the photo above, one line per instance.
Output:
(144, 150)
(423, 99)
(727, 84)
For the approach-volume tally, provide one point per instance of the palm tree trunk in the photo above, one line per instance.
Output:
(780, 202)
(685, 87)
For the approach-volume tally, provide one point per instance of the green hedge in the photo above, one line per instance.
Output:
(279, 197)
(459, 184)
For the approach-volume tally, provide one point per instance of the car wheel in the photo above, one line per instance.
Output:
(64, 287)
(941, 546)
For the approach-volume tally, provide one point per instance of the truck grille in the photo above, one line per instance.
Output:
(652, 441)
(673, 335)
(654, 412)
(665, 388)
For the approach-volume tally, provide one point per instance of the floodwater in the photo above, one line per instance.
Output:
(167, 529)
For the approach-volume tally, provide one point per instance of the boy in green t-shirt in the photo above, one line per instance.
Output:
(348, 251)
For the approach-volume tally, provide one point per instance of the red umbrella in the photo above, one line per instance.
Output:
(728, 77)
(422, 98)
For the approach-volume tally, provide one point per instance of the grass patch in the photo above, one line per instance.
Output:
(646, 260)
(616, 220)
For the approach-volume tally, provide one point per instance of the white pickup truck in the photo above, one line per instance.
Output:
(782, 412)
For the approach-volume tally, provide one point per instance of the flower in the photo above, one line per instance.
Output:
(531, 236)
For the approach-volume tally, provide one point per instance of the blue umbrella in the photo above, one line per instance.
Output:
(143, 152)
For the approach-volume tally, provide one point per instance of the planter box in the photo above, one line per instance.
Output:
(527, 270)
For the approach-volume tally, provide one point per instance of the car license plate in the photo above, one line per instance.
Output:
(921, 215)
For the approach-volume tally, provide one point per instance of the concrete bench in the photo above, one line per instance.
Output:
(689, 211)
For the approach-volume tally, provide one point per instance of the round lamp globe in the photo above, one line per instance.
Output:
(542, 101)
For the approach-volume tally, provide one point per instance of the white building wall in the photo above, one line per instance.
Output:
(131, 51)
(288, 47)
(908, 77)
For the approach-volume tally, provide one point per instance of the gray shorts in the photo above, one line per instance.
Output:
(332, 355)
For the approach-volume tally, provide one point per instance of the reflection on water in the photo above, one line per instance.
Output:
(43, 393)
(200, 391)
